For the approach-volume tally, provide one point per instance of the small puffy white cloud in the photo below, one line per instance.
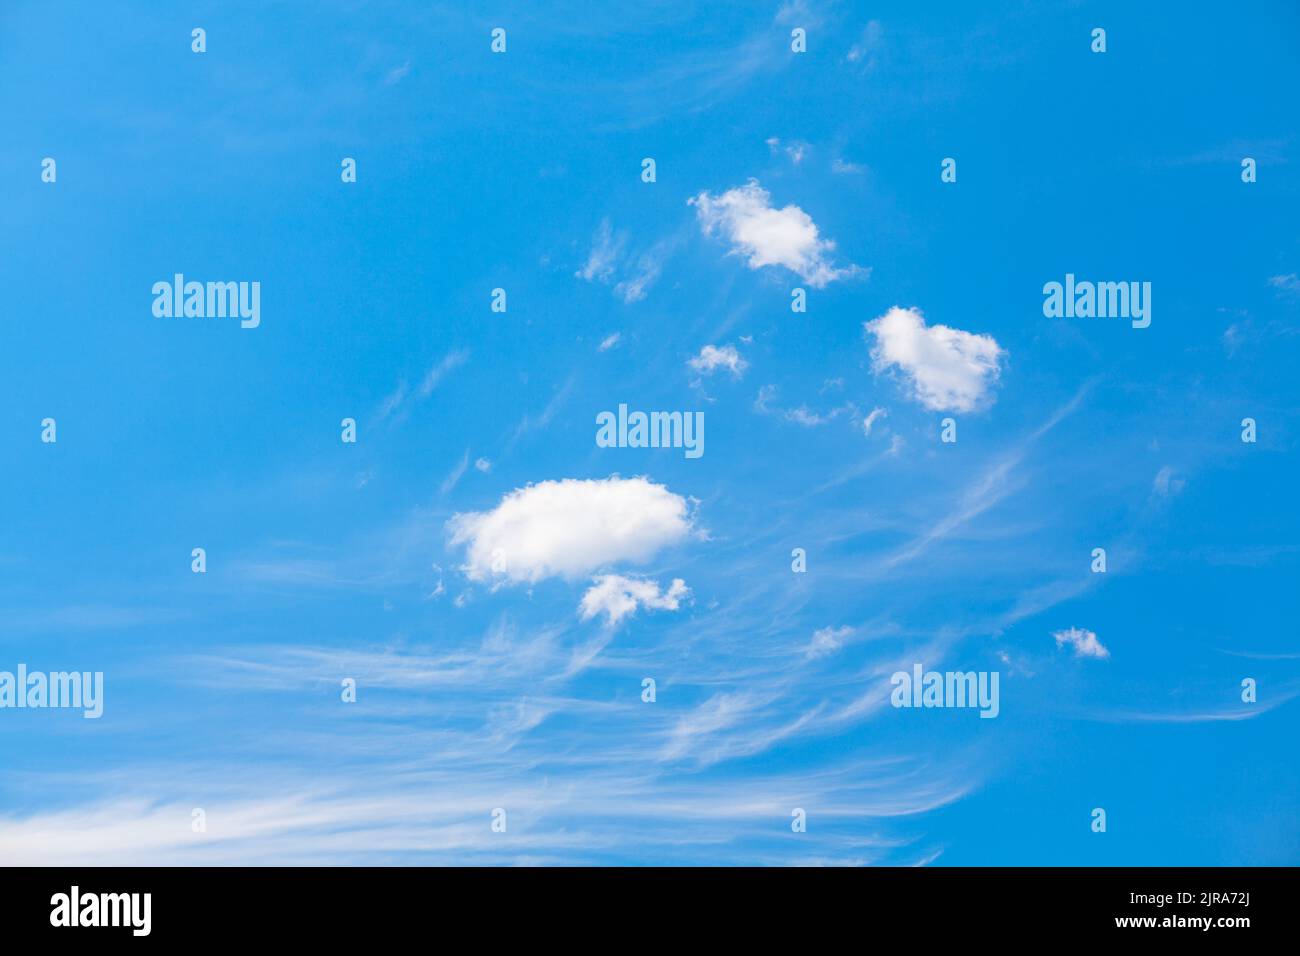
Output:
(617, 597)
(569, 529)
(827, 640)
(610, 341)
(711, 357)
(1085, 643)
(767, 236)
(482, 464)
(948, 369)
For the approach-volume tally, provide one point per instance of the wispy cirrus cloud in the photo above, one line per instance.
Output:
(1287, 285)
(997, 480)
(457, 472)
(443, 815)
(864, 54)
(764, 403)
(1243, 711)
(397, 404)
(610, 263)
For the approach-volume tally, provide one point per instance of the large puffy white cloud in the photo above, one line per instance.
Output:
(617, 596)
(767, 236)
(570, 528)
(947, 369)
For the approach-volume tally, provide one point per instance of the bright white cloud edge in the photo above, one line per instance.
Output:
(570, 529)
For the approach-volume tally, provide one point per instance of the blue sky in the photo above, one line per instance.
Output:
(482, 687)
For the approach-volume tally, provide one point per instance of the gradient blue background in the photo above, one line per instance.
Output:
(477, 171)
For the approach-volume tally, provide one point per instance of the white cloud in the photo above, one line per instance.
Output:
(449, 363)
(1085, 643)
(453, 478)
(1232, 338)
(802, 415)
(617, 597)
(610, 341)
(633, 288)
(570, 528)
(1166, 483)
(609, 259)
(827, 640)
(1288, 284)
(711, 357)
(719, 713)
(864, 51)
(392, 402)
(870, 420)
(795, 150)
(398, 403)
(948, 369)
(482, 464)
(766, 236)
(604, 255)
